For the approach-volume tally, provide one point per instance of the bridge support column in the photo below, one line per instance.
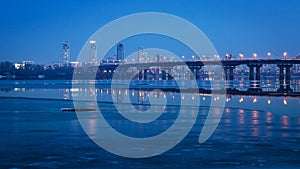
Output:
(226, 73)
(141, 73)
(254, 77)
(146, 74)
(288, 74)
(228, 70)
(198, 73)
(285, 78)
(258, 72)
(231, 77)
(194, 70)
(251, 76)
(164, 74)
(281, 74)
(281, 78)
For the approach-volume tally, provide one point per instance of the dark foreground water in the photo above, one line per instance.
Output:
(34, 133)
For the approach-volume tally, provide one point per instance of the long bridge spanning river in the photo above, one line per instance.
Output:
(167, 70)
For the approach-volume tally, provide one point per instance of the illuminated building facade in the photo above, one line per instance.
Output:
(65, 52)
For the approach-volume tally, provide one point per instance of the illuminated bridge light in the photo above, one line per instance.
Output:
(269, 54)
(284, 55)
(254, 55)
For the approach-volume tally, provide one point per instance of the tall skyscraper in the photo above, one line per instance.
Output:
(120, 52)
(93, 52)
(65, 52)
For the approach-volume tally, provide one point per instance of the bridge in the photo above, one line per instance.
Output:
(162, 70)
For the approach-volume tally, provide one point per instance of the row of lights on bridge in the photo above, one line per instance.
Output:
(227, 56)
(255, 55)
(241, 56)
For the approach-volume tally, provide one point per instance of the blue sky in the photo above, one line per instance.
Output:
(34, 29)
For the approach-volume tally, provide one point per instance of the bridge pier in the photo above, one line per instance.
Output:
(107, 74)
(254, 77)
(258, 72)
(196, 72)
(255, 74)
(251, 76)
(281, 73)
(288, 74)
(229, 75)
(146, 72)
(164, 74)
(285, 78)
(141, 74)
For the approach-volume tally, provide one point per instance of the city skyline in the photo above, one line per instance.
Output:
(34, 30)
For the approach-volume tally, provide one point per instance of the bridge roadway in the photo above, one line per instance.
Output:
(228, 65)
(201, 63)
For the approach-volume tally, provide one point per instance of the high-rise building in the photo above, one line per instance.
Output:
(120, 52)
(142, 55)
(93, 52)
(65, 52)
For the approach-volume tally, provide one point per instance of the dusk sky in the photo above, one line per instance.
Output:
(34, 29)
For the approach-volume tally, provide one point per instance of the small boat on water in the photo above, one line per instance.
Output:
(76, 109)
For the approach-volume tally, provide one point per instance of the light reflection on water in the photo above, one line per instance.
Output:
(284, 106)
(268, 125)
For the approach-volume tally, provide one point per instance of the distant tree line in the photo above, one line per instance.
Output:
(10, 70)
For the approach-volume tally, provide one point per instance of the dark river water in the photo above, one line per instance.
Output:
(254, 131)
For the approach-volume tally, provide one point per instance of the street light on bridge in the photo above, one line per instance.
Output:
(217, 57)
(284, 55)
(228, 56)
(269, 55)
(241, 56)
(255, 55)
